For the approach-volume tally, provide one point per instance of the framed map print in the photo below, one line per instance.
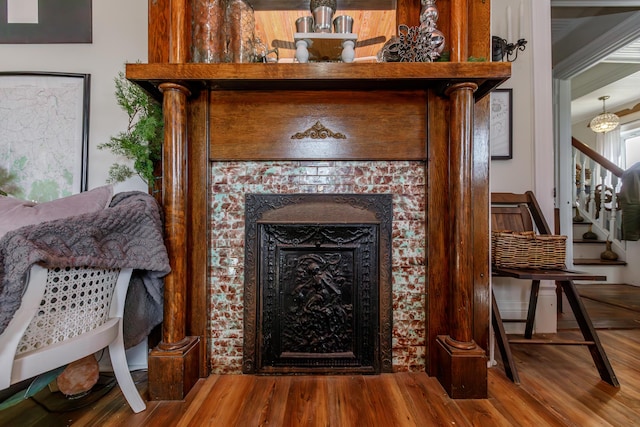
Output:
(500, 125)
(44, 128)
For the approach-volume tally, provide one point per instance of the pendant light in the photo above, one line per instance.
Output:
(604, 122)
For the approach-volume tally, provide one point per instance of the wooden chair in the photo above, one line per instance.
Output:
(521, 212)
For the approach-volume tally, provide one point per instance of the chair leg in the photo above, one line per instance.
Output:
(531, 314)
(503, 343)
(559, 304)
(121, 370)
(589, 333)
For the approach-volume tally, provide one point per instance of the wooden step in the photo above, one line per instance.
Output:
(580, 241)
(596, 261)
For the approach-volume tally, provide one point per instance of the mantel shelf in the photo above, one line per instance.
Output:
(321, 76)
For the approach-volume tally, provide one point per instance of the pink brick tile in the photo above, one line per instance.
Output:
(230, 181)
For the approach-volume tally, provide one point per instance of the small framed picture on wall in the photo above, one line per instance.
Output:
(50, 21)
(501, 125)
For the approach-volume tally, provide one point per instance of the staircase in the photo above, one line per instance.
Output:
(597, 218)
(586, 254)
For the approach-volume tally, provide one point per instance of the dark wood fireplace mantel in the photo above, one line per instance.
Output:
(433, 112)
(322, 76)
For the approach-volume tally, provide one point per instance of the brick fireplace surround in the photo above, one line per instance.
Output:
(231, 180)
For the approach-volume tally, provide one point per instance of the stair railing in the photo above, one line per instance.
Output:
(597, 182)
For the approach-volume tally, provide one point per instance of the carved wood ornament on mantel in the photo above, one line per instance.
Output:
(318, 131)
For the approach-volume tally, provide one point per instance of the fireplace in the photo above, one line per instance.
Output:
(420, 113)
(403, 286)
(317, 283)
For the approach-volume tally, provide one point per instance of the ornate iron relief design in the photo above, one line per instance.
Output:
(315, 288)
(316, 276)
(325, 258)
(318, 131)
(318, 319)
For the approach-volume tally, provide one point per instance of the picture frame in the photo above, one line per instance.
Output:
(51, 21)
(501, 124)
(44, 133)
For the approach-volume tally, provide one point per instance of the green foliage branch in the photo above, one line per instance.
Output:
(7, 182)
(141, 142)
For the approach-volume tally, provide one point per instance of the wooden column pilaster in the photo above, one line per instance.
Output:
(175, 206)
(462, 364)
(174, 363)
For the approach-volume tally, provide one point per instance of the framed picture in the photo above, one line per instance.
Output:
(501, 125)
(44, 133)
(50, 21)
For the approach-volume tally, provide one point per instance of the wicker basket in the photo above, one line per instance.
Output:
(527, 250)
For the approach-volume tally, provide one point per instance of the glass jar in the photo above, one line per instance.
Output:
(240, 24)
(208, 37)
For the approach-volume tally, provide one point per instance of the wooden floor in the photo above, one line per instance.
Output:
(560, 387)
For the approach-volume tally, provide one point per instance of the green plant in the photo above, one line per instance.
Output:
(7, 185)
(142, 140)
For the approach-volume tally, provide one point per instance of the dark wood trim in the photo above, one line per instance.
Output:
(437, 201)
(480, 196)
(179, 31)
(262, 126)
(480, 28)
(197, 320)
(158, 41)
(322, 76)
(458, 34)
(173, 373)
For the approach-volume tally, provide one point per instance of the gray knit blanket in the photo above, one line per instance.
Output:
(128, 234)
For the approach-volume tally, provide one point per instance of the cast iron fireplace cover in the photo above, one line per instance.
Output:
(317, 283)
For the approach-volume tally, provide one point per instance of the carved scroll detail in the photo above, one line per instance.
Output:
(318, 131)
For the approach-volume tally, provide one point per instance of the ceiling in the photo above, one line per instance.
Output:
(604, 62)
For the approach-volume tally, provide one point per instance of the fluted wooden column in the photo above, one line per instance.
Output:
(462, 366)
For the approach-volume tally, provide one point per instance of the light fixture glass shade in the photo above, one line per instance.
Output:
(605, 122)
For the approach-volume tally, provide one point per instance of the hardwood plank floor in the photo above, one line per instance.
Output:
(559, 387)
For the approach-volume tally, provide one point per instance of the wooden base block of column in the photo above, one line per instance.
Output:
(462, 373)
(172, 373)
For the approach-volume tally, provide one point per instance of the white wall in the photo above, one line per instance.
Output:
(119, 36)
(516, 175)
(532, 166)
